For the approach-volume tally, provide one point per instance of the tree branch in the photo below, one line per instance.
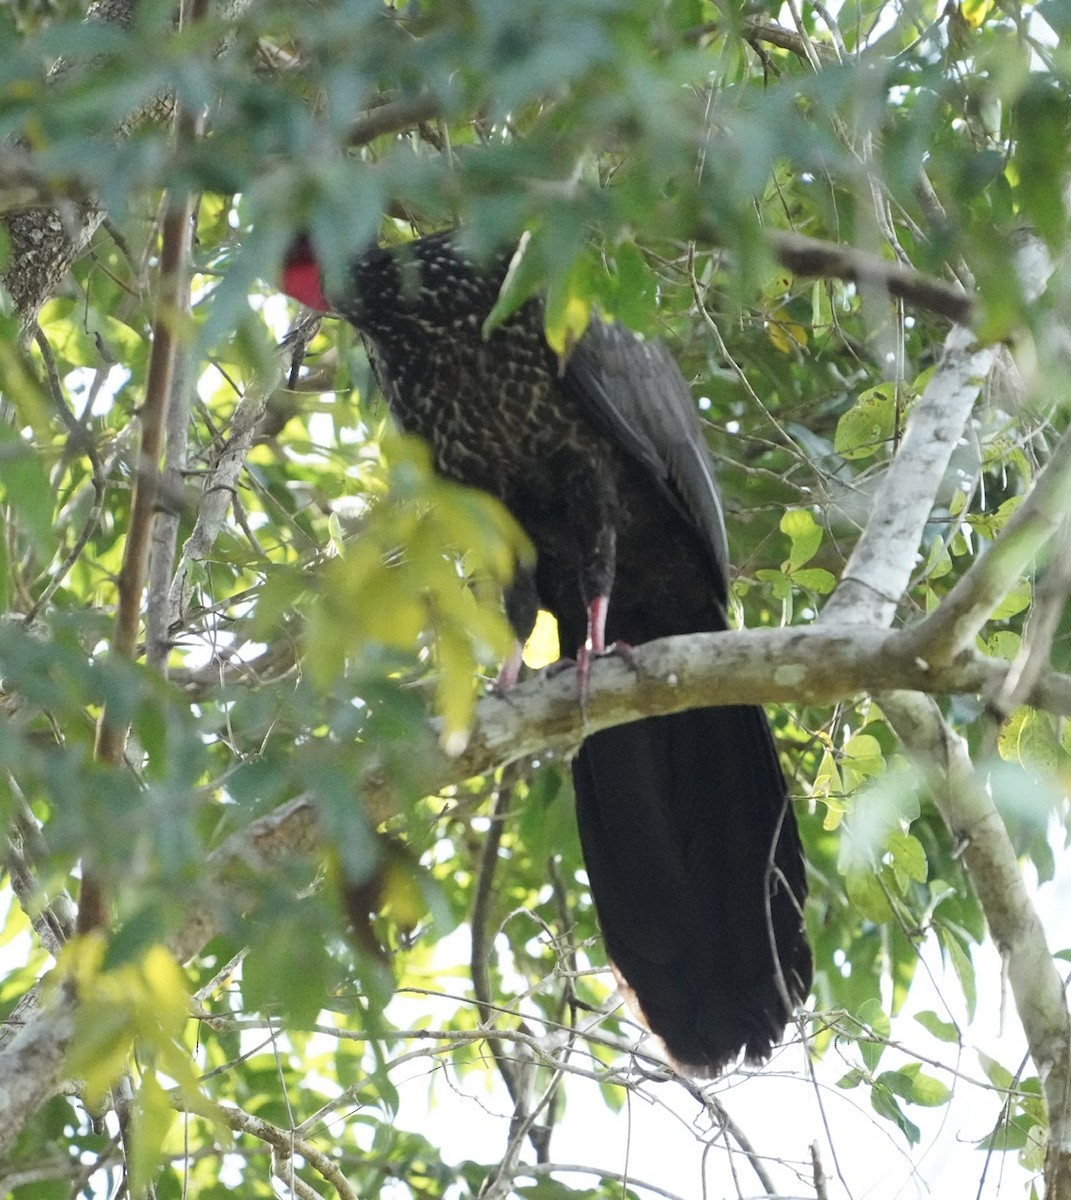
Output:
(807, 665)
(286, 1144)
(881, 565)
(955, 623)
(221, 483)
(827, 260)
(159, 388)
(967, 808)
(884, 558)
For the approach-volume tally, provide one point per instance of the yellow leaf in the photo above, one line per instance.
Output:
(144, 1000)
(163, 998)
(456, 691)
(152, 1120)
(566, 323)
(784, 332)
(974, 12)
(402, 900)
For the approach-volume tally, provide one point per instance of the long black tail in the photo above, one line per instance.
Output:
(696, 871)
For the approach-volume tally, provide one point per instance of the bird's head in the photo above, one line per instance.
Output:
(301, 277)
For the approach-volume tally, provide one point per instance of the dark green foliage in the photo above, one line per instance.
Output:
(647, 150)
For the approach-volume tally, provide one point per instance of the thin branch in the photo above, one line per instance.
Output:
(159, 388)
(221, 483)
(721, 1114)
(286, 1144)
(482, 940)
(189, 128)
(758, 29)
(1050, 600)
(52, 919)
(630, 1181)
(827, 260)
(955, 623)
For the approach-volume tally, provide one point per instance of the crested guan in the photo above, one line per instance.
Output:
(688, 837)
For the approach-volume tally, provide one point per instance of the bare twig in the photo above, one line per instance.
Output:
(221, 483)
(285, 1144)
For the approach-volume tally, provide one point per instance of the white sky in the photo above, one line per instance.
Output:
(664, 1138)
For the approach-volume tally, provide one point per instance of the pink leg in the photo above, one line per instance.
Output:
(596, 642)
(594, 645)
(510, 670)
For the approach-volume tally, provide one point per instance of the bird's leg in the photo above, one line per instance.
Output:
(599, 561)
(510, 670)
(595, 644)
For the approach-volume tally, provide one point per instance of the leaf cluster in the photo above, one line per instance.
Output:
(647, 151)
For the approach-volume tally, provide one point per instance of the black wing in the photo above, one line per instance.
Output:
(633, 391)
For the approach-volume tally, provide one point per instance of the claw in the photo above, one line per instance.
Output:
(586, 656)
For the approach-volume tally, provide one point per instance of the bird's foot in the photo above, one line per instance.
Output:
(585, 656)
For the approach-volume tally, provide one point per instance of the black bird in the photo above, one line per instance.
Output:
(689, 840)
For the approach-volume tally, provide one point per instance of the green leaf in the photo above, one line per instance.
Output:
(867, 895)
(908, 858)
(910, 1083)
(153, 1118)
(945, 1031)
(868, 425)
(884, 1104)
(1014, 602)
(963, 967)
(1041, 156)
(989, 524)
(1004, 643)
(815, 579)
(871, 1015)
(999, 1076)
(827, 783)
(928, 1091)
(862, 758)
(25, 486)
(567, 309)
(805, 534)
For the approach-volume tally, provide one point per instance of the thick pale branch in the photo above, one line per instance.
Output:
(31, 1065)
(884, 558)
(967, 808)
(966, 608)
